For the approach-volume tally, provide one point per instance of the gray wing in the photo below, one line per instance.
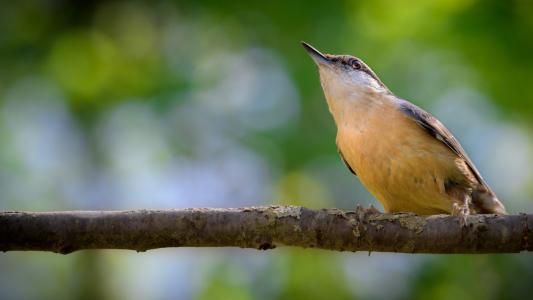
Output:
(344, 161)
(436, 129)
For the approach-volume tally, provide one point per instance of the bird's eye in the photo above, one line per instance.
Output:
(356, 64)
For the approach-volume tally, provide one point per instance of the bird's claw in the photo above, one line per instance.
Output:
(370, 210)
(463, 211)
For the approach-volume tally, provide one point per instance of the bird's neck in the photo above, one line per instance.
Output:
(351, 107)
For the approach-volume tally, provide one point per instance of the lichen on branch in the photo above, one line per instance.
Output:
(263, 228)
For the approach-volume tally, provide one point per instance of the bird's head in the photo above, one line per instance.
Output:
(342, 75)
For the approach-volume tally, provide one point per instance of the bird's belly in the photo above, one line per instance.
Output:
(405, 168)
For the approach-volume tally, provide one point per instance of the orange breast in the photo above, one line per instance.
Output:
(402, 165)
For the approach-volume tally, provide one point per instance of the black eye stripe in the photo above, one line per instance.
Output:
(346, 61)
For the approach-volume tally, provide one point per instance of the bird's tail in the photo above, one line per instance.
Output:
(486, 202)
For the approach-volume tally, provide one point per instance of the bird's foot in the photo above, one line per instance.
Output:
(463, 211)
(364, 211)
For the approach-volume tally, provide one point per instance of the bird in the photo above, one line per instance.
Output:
(403, 155)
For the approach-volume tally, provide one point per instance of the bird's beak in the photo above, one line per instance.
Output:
(318, 57)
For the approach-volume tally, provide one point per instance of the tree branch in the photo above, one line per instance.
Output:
(263, 228)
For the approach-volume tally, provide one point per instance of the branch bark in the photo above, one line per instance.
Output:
(263, 228)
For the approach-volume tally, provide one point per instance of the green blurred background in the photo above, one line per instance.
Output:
(109, 105)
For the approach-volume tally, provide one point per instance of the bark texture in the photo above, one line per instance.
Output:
(263, 228)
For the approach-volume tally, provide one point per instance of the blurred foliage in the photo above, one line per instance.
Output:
(110, 105)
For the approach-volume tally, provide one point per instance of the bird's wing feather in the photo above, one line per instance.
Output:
(344, 161)
(484, 199)
(436, 129)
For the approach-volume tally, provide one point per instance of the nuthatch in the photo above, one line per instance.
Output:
(404, 156)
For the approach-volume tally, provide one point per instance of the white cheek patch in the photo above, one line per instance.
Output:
(339, 84)
(368, 81)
